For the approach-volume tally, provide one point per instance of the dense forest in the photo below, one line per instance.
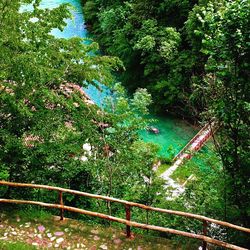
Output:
(190, 58)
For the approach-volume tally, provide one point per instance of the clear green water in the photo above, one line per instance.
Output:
(173, 132)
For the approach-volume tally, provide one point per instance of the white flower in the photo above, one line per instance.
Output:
(83, 158)
(147, 180)
(86, 147)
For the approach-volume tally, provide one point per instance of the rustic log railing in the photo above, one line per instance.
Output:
(128, 205)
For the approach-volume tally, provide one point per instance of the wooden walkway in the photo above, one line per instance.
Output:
(194, 145)
(197, 142)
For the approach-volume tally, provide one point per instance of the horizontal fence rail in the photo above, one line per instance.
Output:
(128, 221)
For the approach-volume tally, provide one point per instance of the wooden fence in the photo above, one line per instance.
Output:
(128, 205)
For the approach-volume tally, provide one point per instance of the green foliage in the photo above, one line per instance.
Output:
(15, 246)
(49, 134)
(148, 37)
(4, 174)
(190, 56)
(34, 213)
(162, 168)
(226, 43)
(193, 58)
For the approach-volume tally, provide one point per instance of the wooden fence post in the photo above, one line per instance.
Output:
(204, 243)
(61, 203)
(128, 217)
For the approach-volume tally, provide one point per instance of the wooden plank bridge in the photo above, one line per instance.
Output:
(197, 142)
(194, 145)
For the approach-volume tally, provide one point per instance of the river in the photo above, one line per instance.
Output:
(174, 133)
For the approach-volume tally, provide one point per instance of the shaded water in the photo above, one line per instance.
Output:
(173, 132)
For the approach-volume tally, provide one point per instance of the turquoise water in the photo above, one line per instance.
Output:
(75, 27)
(173, 132)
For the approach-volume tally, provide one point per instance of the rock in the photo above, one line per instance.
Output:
(49, 235)
(117, 241)
(59, 240)
(94, 231)
(56, 245)
(59, 233)
(153, 130)
(41, 229)
(34, 244)
(14, 233)
(52, 239)
(39, 236)
(27, 224)
(104, 247)
(96, 237)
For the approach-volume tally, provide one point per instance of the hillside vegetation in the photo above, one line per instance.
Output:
(186, 56)
(193, 57)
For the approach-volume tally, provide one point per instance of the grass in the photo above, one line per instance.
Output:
(75, 232)
(162, 168)
(182, 173)
(32, 213)
(15, 246)
(204, 161)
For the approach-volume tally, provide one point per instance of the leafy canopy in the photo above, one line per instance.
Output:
(50, 132)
